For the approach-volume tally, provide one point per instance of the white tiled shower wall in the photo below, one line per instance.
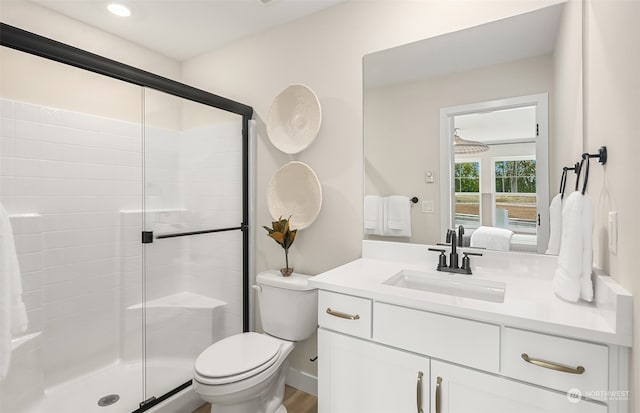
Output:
(73, 185)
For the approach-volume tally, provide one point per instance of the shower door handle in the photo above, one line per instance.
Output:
(199, 232)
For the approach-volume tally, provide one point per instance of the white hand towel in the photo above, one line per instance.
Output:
(492, 238)
(586, 284)
(397, 217)
(575, 257)
(13, 316)
(555, 225)
(373, 215)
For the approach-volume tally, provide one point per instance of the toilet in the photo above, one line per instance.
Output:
(246, 372)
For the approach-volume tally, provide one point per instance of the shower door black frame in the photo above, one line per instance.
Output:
(28, 42)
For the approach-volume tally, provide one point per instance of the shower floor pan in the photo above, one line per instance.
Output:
(81, 395)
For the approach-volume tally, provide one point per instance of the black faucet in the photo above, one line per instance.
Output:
(451, 235)
(460, 236)
(453, 266)
(453, 255)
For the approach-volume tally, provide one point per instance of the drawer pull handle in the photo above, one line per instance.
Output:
(419, 392)
(342, 315)
(552, 366)
(438, 391)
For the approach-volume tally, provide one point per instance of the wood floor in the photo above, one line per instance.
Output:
(296, 401)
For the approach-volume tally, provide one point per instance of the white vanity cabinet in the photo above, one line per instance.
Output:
(357, 375)
(387, 358)
(456, 389)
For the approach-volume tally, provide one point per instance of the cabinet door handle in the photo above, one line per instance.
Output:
(552, 366)
(438, 391)
(342, 315)
(419, 392)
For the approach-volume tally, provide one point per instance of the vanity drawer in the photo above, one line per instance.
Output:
(554, 362)
(345, 313)
(472, 343)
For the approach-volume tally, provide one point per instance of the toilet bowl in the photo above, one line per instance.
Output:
(246, 372)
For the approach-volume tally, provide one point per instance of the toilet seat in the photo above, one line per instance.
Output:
(236, 358)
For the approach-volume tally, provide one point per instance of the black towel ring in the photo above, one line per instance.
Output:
(586, 173)
(579, 173)
(563, 179)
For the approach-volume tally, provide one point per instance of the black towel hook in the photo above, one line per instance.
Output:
(601, 155)
(602, 158)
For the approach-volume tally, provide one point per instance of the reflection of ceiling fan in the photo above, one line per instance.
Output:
(465, 146)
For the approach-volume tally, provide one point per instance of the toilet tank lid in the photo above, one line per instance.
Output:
(273, 278)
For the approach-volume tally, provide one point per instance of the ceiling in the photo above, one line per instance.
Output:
(182, 29)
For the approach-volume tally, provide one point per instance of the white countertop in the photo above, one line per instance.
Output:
(529, 302)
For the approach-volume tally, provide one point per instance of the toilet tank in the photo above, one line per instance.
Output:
(288, 305)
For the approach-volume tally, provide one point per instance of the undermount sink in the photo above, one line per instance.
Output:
(451, 284)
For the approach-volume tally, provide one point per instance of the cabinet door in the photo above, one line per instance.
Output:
(359, 376)
(459, 390)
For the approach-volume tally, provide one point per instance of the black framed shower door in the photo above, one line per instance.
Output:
(176, 230)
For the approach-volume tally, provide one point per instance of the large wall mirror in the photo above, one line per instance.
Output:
(466, 129)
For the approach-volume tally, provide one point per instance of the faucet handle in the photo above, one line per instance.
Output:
(466, 261)
(466, 264)
(477, 254)
(442, 259)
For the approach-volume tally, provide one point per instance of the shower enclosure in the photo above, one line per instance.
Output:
(128, 197)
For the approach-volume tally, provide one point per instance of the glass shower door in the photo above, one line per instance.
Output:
(70, 179)
(193, 248)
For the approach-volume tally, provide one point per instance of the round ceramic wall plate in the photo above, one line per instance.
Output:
(295, 191)
(294, 119)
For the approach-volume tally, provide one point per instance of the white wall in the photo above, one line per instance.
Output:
(565, 146)
(324, 51)
(402, 128)
(613, 116)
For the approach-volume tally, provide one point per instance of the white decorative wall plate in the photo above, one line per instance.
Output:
(294, 119)
(294, 190)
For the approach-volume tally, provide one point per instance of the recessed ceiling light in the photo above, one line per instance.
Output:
(119, 9)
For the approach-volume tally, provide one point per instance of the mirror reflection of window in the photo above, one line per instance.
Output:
(467, 194)
(515, 195)
(500, 186)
